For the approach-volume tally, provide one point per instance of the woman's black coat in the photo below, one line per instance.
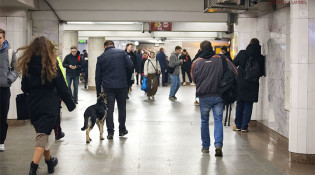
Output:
(248, 91)
(43, 99)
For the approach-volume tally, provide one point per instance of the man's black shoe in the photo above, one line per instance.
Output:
(61, 135)
(110, 136)
(123, 133)
(218, 152)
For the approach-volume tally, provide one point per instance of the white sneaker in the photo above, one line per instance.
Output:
(193, 84)
(2, 149)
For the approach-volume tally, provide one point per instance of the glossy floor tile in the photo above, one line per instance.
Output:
(163, 139)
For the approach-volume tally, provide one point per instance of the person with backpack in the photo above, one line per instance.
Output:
(250, 65)
(151, 70)
(7, 77)
(207, 72)
(73, 64)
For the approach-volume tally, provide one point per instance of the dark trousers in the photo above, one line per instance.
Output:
(75, 79)
(5, 95)
(85, 80)
(243, 114)
(152, 84)
(57, 128)
(164, 76)
(137, 78)
(188, 73)
(120, 96)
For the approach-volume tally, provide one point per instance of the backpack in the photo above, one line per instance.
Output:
(252, 70)
(227, 84)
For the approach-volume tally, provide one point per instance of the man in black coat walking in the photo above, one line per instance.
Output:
(111, 73)
(247, 91)
(73, 64)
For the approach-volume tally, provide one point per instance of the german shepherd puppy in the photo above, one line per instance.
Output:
(95, 114)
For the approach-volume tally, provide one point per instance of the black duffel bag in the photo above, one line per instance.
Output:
(21, 107)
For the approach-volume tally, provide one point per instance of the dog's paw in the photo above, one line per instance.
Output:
(87, 142)
(90, 139)
(102, 138)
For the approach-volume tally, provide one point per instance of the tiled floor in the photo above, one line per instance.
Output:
(164, 138)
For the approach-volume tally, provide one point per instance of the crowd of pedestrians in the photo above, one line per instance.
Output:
(47, 84)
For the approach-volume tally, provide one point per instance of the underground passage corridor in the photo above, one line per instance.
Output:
(163, 138)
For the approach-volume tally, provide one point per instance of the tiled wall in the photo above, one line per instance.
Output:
(273, 32)
(16, 34)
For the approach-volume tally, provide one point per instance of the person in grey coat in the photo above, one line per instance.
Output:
(7, 77)
(175, 63)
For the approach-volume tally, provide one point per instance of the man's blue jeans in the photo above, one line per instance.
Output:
(243, 114)
(175, 84)
(75, 85)
(217, 105)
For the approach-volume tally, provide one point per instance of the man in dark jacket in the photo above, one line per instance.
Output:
(73, 64)
(161, 57)
(207, 71)
(7, 77)
(111, 73)
(133, 57)
(247, 91)
(226, 53)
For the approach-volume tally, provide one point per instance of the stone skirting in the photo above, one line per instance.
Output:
(278, 137)
(302, 158)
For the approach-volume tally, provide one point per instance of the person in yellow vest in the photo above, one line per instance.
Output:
(58, 131)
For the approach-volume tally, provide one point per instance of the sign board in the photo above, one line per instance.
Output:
(161, 26)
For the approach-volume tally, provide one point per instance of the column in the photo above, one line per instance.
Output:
(70, 38)
(302, 90)
(96, 48)
(16, 34)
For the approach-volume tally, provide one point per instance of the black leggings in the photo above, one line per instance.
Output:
(188, 73)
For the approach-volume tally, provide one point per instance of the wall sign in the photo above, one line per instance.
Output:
(161, 26)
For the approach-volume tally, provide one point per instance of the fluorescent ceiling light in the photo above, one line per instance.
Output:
(102, 23)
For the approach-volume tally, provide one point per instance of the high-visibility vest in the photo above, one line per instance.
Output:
(62, 69)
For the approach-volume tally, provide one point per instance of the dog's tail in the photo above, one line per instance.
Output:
(86, 120)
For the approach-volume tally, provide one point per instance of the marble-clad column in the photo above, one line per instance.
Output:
(96, 48)
(302, 92)
(14, 22)
(70, 38)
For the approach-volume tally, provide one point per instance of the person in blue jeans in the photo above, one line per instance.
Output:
(207, 71)
(247, 91)
(175, 62)
(73, 64)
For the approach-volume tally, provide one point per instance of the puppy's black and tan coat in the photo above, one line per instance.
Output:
(95, 114)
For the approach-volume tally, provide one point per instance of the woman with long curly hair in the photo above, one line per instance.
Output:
(43, 83)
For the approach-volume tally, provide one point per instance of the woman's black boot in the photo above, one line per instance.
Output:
(51, 163)
(33, 169)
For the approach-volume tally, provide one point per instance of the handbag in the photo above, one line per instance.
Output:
(170, 69)
(21, 107)
(144, 85)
